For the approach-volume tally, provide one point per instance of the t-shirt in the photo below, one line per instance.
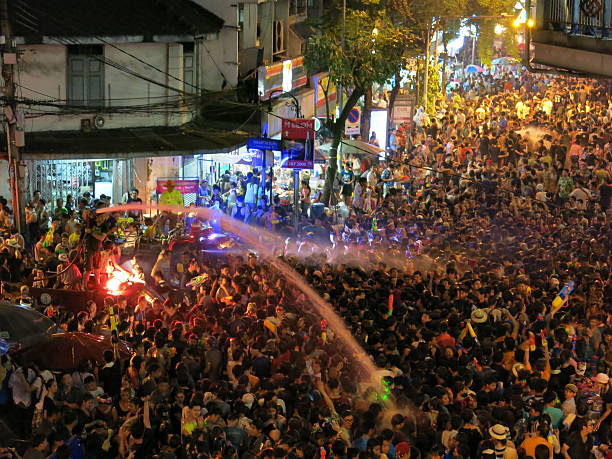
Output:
(531, 443)
(577, 448)
(556, 415)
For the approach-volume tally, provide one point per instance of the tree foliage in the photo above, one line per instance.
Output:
(368, 48)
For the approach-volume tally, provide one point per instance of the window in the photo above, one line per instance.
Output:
(86, 75)
(189, 68)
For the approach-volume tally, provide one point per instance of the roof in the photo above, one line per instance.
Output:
(86, 18)
(192, 139)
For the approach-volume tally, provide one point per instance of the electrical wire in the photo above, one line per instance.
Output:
(84, 33)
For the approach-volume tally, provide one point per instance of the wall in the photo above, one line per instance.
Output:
(43, 69)
(219, 57)
(148, 170)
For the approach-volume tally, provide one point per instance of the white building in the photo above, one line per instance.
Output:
(105, 88)
(102, 83)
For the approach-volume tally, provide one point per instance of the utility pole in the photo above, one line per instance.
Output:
(426, 76)
(14, 138)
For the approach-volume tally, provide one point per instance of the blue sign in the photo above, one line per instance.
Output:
(258, 143)
(353, 115)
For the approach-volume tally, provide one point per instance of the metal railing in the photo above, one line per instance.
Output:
(578, 17)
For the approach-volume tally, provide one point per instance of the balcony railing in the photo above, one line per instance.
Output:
(578, 17)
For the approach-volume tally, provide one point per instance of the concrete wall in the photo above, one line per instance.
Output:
(43, 69)
(220, 56)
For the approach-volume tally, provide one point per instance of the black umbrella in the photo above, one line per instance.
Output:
(23, 326)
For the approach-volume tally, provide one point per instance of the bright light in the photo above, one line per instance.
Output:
(113, 285)
(530, 22)
(375, 31)
(499, 29)
(517, 22)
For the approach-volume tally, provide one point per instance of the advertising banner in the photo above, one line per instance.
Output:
(297, 146)
(185, 186)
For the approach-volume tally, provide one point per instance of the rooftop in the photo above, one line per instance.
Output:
(34, 19)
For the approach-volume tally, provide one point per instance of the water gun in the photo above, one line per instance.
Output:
(532, 342)
(472, 332)
(390, 307)
(324, 330)
(563, 294)
(374, 224)
(544, 340)
(113, 318)
(197, 281)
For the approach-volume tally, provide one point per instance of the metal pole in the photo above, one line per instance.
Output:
(296, 199)
(14, 155)
(473, 48)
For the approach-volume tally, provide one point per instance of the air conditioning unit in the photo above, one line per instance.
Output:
(279, 37)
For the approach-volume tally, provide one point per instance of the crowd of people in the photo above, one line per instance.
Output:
(447, 275)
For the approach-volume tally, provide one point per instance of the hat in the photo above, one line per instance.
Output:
(571, 388)
(12, 243)
(63, 257)
(601, 378)
(479, 316)
(402, 448)
(498, 432)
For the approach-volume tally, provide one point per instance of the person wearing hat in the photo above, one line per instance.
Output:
(604, 391)
(170, 197)
(568, 407)
(499, 443)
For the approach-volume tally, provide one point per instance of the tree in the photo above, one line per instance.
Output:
(368, 48)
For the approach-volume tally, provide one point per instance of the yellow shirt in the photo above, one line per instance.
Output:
(171, 198)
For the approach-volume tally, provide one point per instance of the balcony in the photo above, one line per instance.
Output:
(575, 35)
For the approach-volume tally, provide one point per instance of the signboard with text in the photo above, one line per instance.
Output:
(185, 186)
(297, 146)
(403, 108)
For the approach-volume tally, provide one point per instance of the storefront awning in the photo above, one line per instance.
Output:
(136, 142)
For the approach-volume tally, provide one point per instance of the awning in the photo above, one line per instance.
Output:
(129, 143)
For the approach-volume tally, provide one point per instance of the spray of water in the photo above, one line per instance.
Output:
(268, 245)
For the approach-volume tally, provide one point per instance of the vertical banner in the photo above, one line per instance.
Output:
(297, 145)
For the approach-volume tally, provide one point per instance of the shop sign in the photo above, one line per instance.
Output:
(298, 129)
(297, 146)
(284, 76)
(403, 108)
(352, 126)
(262, 143)
(185, 186)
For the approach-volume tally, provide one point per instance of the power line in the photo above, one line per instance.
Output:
(142, 61)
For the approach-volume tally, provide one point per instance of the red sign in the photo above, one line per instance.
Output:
(298, 129)
(185, 186)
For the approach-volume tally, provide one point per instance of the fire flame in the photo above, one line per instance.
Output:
(115, 285)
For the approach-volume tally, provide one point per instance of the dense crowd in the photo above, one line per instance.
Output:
(446, 265)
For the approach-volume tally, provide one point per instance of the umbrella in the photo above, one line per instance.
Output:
(506, 60)
(64, 351)
(22, 326)
(474, 69)
(354, 147)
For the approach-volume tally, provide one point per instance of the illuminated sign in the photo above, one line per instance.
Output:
(285, 76)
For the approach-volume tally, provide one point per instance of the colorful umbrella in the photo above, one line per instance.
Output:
(22, 326)
(64, 351)
(473, 69)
